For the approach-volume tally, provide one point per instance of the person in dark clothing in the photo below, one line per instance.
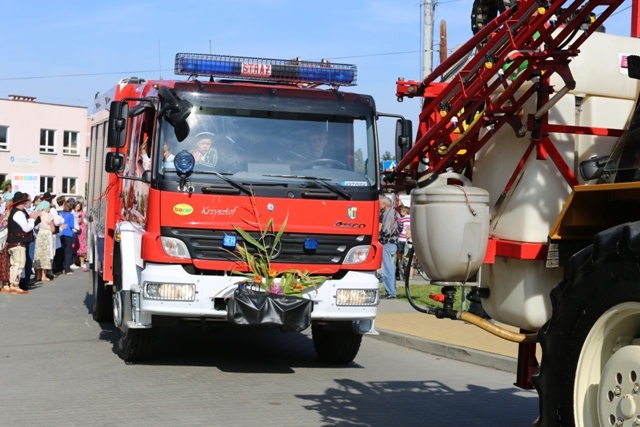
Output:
(28, 265)
(20, 234)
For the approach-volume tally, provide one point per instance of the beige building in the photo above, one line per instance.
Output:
(43, 147)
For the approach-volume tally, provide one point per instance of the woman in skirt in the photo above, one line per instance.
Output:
(44, 251)
(4, 254)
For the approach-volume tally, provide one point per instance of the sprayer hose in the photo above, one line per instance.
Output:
(497, 330)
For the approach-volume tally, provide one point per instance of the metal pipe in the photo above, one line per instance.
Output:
(553, 101)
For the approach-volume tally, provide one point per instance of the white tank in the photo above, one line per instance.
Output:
(601, 70)
(519, 291)
(450, 229)
(531, 208)
(604, 96)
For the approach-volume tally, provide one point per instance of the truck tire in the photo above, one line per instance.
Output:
(484, 11)
(135, 345)
(132, 344)
(590, 370)
(102, 309)
(335, 342)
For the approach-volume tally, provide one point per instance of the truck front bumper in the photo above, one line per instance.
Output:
(204, 296)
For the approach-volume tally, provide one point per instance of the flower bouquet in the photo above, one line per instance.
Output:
(268, 296)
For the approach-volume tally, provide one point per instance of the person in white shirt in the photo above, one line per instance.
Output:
(57, 219)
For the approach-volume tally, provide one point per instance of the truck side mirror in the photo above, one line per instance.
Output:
(176, 111)
(118, 115)
(114, 162)
(404, 137)
(633, 66)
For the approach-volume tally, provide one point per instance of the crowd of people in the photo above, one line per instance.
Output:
(41, 238)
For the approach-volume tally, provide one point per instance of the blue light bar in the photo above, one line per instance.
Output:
(277, 70)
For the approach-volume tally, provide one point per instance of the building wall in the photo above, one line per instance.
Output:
(25, 117)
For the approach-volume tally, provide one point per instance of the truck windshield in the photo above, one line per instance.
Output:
(253, 139)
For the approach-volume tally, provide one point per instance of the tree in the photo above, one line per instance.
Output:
(359, 160)
(387, 156)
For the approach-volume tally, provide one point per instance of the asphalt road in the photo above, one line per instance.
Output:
(59, 368)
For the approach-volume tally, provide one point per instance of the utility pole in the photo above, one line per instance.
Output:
(443, 41)
(427, 37)
(635, 18)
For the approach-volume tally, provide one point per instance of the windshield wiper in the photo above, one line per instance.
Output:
(218, 189)
(320, 181)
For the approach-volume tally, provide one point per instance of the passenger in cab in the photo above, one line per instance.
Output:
(204, 153)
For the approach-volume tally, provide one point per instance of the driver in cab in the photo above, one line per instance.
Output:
(316, 145)
(316, 155)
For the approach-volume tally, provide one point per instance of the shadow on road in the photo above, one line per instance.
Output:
(229, 348)
(430, 402)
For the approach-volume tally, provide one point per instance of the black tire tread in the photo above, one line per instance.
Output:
(102, 309)
(484, 11)
(135, 345)
(336, 345)
(594, 282)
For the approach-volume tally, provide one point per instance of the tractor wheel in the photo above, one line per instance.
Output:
(590, 369)
(484, 11)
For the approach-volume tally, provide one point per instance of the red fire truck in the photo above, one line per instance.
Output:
(245, 150)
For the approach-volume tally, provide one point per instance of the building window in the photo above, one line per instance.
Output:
(4, 137)
(70, 143)
(47, 141)
(69, 185)
(46, 184)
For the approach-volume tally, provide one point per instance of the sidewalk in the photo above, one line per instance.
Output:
(399, 323)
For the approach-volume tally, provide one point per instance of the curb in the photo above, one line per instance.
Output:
(450, 351)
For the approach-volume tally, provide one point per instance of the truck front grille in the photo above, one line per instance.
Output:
(207, 245)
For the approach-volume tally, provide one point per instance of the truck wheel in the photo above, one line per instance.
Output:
(102, 311)
(133, 345)
(589, 375)
(484, 11)
(335, 342)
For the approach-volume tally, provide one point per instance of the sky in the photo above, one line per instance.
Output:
(65, 52)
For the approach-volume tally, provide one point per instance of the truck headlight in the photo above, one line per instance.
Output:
(356, 297)
(170, 291)
(174, 247)
(357, 254)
